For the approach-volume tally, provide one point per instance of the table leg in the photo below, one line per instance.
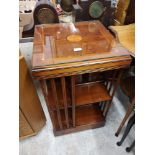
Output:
(130, 109)
(128, 149)
(131, 122)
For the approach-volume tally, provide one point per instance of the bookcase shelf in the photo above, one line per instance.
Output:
(89, 115)
(87, 93)
(91, 93)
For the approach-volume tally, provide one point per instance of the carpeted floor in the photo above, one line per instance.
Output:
(99, 141)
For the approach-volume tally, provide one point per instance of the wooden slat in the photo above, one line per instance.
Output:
(108, 105)
(73, 98)
(110, 85)
(106, 108)
(43, 87)
(65, 99)
(117, 82)
(103, 106)
(129, 110)
(56, 102)
(112, 82)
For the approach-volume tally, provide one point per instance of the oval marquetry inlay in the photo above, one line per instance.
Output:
(74, 38)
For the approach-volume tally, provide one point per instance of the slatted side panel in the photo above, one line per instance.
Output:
(112, 86)
(43, 85)
(53, 85)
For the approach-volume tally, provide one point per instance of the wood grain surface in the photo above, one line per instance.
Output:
(72, 75)
(29, 103)
(126, 36)
(54, 55)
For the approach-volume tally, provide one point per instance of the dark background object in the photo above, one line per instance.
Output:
(44, 12)
(106, 18)
(46, 5)
(29, 11)
(125, 12)
(67, 5)
(130, 16)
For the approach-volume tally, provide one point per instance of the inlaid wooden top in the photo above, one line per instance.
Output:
(60, 46)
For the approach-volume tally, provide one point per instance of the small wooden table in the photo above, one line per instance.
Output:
(73, 63)
(126, 36)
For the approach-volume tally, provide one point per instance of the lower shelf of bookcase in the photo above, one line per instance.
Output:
(79, 128)
(86, 117)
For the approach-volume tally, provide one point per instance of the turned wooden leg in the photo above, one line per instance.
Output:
(130, 109)
(128, 149)
(131, 122)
